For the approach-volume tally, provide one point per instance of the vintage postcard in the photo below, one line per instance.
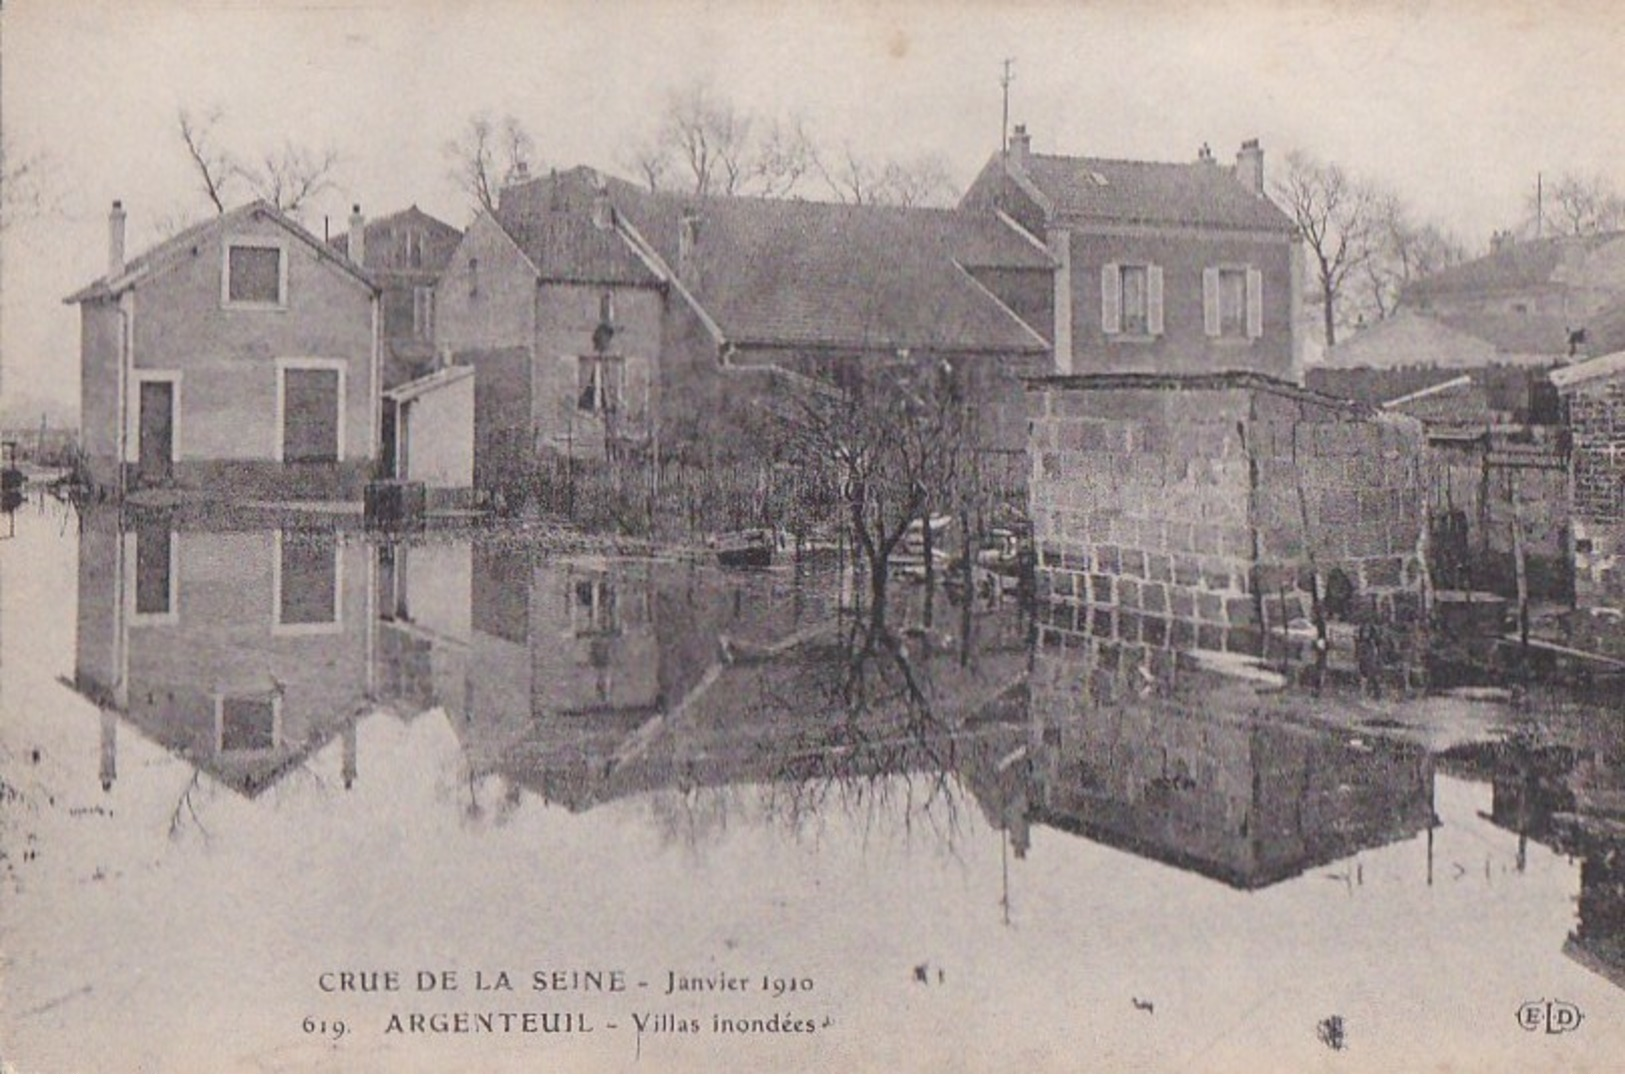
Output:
(868, 535)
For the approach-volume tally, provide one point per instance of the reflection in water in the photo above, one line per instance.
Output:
(711, 698)
(243, 652)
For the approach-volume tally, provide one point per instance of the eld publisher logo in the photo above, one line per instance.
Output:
(1549, 1016)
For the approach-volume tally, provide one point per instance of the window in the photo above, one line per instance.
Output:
(1131, 299)
(423, 312)
(305, 576)
(606, 309)
(593, 609)
(410, 241)
(601, 384)
(255, 275)
(247, 723)
(155, 574)
(473, 276)
(310, 405)
(1232, 302)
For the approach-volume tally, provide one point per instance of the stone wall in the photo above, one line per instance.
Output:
(1211, 511)
(1597, 466)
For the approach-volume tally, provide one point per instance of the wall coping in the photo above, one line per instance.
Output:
(1218, 380)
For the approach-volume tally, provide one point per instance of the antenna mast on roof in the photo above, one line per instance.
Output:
(1004, 81)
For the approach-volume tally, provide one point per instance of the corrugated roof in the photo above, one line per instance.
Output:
(1155, 192)
(183, 242)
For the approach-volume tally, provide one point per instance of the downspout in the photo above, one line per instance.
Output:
(126, 361)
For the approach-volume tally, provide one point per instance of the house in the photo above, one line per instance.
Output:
(240, 357)
(615, 319)
(1528, 296)
(405, 253)
(1161, 267)
(241, 650)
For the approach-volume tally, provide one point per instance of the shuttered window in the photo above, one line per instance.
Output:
(1131, 299)
(310, 415)
(1232, 302)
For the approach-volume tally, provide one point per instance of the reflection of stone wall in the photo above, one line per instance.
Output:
(1198, 512)
(1143, 752)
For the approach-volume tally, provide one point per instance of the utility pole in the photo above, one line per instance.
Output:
(1540, 205)
(1004, 81)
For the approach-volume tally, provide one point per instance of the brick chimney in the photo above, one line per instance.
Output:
(1021, 144)
(115, 240)
(1250, 166)
(1204, 155)
(358, 236)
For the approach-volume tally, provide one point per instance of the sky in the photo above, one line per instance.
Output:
(1455, 105)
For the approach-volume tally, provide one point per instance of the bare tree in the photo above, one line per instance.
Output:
(25, 185)
(1336, 213)
(288, 178)
(292, 176)
(1578, 205)
(1404, 251)
(487, 156)
(921, 181)
(215, 168)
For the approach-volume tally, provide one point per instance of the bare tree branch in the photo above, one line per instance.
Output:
(215, 168)
(1336, 215)
(487, 156)
(291, 177)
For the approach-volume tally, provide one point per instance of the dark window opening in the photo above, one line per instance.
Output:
(254, 275)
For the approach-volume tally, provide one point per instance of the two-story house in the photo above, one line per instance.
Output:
(239, 356)
(1182, 268)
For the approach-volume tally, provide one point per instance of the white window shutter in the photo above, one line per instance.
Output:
(1210, 302)
(1153, 300)
(1111, 298)
(1255, 304)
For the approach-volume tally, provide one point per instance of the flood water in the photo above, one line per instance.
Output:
(247, 762)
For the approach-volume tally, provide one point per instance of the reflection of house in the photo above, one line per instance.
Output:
(1201, 773)
(1165, 267)
(601, 315)
(591, 681)
(242, 652)
(249, 364)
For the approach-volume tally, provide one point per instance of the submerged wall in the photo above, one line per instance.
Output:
(1211, 511)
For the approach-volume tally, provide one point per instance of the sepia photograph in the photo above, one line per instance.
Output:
(859, 535)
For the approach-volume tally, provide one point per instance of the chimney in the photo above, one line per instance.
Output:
(1204, 156)
(1250, 166)
(358, 236)
(688, 240)
(115, 240)
(603, 214)
(1021, 144)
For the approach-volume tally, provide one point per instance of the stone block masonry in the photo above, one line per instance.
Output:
(1596, 413)
(1212, 511)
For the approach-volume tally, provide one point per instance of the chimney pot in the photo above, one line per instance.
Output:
(357, 241)
(1021, 143)
(1250, 166)
(115, 239)
(688, 241)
